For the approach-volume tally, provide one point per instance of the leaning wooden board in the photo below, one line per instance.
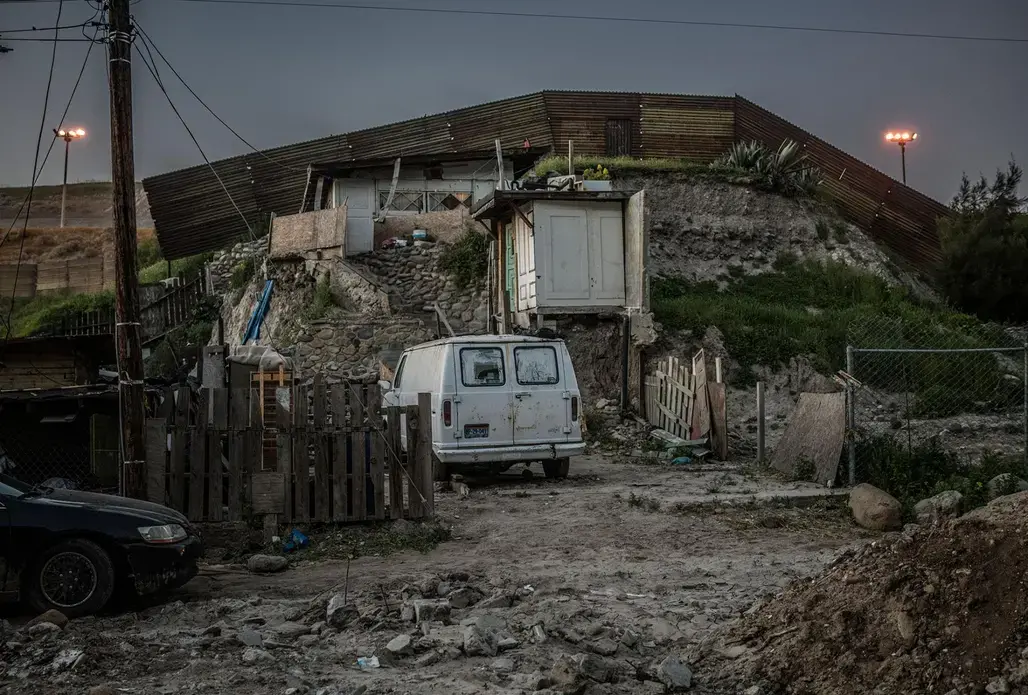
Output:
(815, 433)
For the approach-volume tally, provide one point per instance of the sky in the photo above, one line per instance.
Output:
(280, 75)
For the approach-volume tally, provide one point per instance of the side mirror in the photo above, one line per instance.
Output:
(385, 385)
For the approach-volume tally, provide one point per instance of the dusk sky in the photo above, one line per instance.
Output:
(284, 74)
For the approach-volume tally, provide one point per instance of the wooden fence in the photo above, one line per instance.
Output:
(172, 309)
(683, 402)
(338, 456)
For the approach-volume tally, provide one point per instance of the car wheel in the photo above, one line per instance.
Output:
(557, 469)
(75, 577)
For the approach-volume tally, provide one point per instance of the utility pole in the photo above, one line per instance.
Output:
(126, 296)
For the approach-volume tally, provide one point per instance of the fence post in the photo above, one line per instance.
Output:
(1024, 380)
(851, 418)
(760, 422)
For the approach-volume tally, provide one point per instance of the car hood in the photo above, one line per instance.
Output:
(110, 503)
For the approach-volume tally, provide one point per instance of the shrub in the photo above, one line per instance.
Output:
(323, 299)
(189, 267)
(148, 252)
(784, 171)
(242, 274)
(467, 259)
(45, 313)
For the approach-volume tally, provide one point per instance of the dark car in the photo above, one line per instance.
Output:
(69, 550)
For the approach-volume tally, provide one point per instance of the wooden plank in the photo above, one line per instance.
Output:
(813, 437)
(215, 453)
(322, 452)
(422, 455)
(198, 458)
(156, 460)
(701, 407)
(284, 445)
(718, 420)
(393, 457)
(376, 432)
(414, 507)
(301, 456)
(238, 449)
(358, 453)
(340, 501)
(268, 494)
(179, 445)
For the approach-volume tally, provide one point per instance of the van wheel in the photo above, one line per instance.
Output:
(75, 577)
(557, 469)
(439, 470)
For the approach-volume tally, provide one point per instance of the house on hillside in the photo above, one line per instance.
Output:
(432, 170)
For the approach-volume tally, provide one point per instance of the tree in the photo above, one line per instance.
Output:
(985, 248)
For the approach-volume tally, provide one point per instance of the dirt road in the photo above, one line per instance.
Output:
(617, 562)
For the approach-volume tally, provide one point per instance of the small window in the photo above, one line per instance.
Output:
(442, 201)
(403, 201)
(399, 372)
(536, 366)
(482, 367)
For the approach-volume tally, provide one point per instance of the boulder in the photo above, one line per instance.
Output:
(945, 505)
(431, 609)
(674, 674)
(266, 564)
(875, 509)
(479, 642)
(400, 646)
(464, 597)
(340, 614)
(53, 617)
(1005, 484)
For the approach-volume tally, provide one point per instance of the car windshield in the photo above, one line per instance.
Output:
(11, 487)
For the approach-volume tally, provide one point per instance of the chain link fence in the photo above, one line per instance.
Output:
(921, 386)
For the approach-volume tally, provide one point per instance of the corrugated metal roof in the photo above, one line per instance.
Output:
(192, 214)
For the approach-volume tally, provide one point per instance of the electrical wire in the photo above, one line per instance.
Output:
(155, 74)
(149, 43)
(607, 18)
(35, 175)
(57, 28)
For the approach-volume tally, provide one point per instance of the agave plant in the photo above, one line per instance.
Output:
(785, 170)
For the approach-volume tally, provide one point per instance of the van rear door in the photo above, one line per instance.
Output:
(482, 410)
(541, 402)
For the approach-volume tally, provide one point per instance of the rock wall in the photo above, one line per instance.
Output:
(225, 262)
(414, 279)
(351, 349)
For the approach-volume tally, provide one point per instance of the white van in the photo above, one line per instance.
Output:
(497, 400)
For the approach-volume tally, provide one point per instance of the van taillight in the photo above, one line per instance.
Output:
(447, 413)
(574, 408)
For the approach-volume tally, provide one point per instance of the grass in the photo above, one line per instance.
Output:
(323, 300)
(814, 310)
(620, 167)
(467, 259)
(45, 313)
(242, 274)
(924, 470)
(189, 267)
(376, 540)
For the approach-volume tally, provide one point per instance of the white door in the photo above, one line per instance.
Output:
(525, 254)
(541, 402)
(484, 396)
(606, 253)
(359, 195)
(561, 238)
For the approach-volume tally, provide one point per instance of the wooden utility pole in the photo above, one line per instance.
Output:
(126, 296)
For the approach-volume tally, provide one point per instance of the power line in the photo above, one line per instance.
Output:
(148, 43)
(607, 18)
(29, 30)
(154, 73)
(41, 40)
(35, 170)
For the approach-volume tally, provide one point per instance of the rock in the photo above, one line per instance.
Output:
(630, 638)
(479, 642)
(444, 589)
(604, 647)
(53, 617)
(101, 690)
(431, 609)
(1005, 484)
(875, 509)
(251, 655)
(428, 658)
(594, 668)
(532, 682)
(734, 652)
(564, 673)
(429, 587)
(506, 643)
(674, 674)
(945, 505)
(339, 614)
(264, 564)
(400, 646)
(42, 630)
(998, 685)
(66, 659)
(250, 638)
(502, 665)
(497, 600)
(291, 630)
(462, 598)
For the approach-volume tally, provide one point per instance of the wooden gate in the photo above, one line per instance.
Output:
(338, 455)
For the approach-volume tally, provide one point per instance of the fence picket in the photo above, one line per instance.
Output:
(376, 433)
(179, 444)
(238, 449)
(216, 454)
(358, 454)
(339, 474)
(393, 455)
(198, 458)
(322, 453)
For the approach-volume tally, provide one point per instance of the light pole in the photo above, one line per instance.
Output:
(902, 139)
(67, 136)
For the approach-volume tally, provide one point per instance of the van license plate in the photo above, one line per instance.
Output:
(476, 431)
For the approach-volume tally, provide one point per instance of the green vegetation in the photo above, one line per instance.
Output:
(189, 267)
(784, 171)
(148, 252)
(323, 299)
(911, 474)
(182, 342)
(620, 166)
(467, 259)
(242, 274)
(814, 310)
(985, 249)
(45, 313)
(376, 540)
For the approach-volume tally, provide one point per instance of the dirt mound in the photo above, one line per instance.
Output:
(937, 609)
